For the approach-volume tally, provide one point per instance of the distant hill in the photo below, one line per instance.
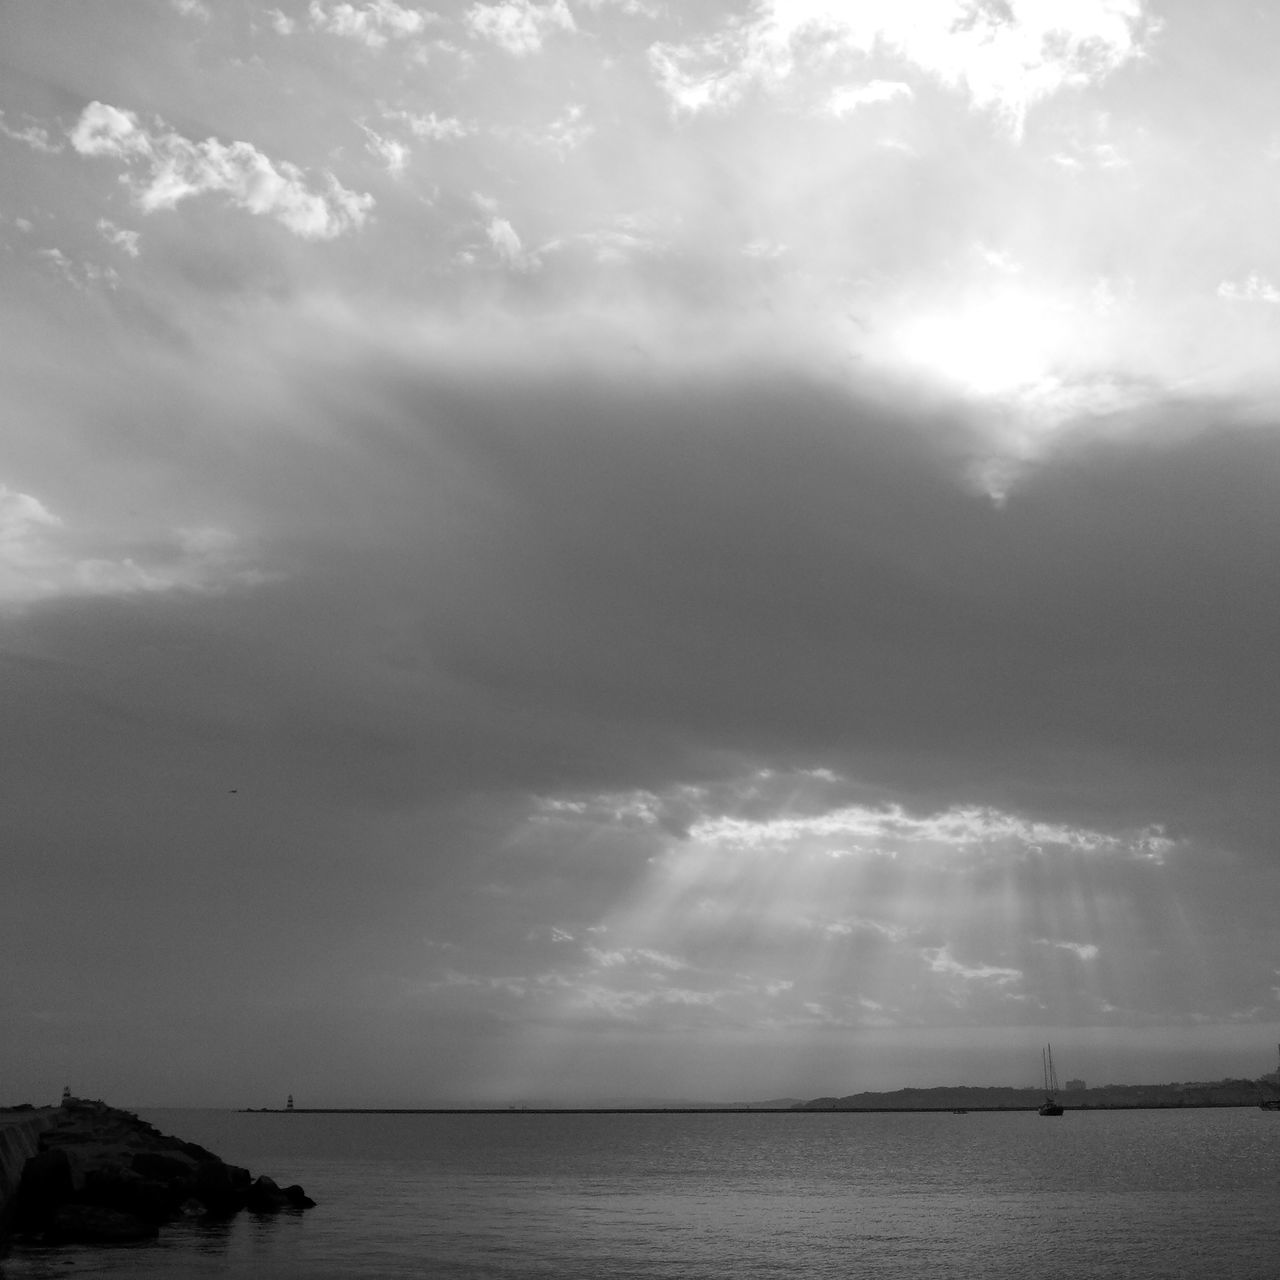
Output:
(1217, 1093)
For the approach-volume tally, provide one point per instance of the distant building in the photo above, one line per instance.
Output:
(288, 1106)
(1073, 1085)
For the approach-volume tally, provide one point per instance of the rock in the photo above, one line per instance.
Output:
(124, 1190)
(92, 1224)
(192, 1149)
(298, 1198)
(46, 1183)
(105, 1175)
(162, 1167)
(265, 1196)
(224, 1188)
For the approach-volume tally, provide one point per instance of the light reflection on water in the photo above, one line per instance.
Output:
(678, 1197)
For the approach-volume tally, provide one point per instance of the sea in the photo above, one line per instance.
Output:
(755, 1196)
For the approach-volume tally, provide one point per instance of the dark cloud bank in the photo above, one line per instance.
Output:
(660, 580)
(479, 593)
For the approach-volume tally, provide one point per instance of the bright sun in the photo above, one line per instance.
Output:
(990, 347)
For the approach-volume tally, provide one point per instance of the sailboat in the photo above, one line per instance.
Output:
(1051, 1105)
(1272, 1104)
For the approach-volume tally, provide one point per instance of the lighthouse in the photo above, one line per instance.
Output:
(288, 1106)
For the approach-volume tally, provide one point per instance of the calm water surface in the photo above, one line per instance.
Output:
(1138, 1194)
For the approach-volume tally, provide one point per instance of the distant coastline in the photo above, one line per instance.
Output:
(1113, 1097)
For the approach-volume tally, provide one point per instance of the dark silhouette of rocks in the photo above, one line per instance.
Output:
(266, 1197)
(104, 1176)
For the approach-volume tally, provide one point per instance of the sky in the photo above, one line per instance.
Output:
(581, 550)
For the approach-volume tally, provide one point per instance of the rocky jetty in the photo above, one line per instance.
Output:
(102, 1175)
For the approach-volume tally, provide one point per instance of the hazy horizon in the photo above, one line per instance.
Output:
(582, 547)
(1209, 1072)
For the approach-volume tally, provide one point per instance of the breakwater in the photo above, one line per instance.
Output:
(87, 1173)
(509, 1111)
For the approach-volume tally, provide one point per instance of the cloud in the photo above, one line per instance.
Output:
(694, 573)
(1006, 58)
(844, 928)
(569, 129)
(23, 519)
(1255, 288)
(506, 243)
(431, 126)
(393, 154)
(32, 135)
(192, 9)
(641, 957)
(118, 236)
(1096, 156)
(41, 559)
(519, 26)
(372, 24)
(940, 960)
(607, 246)
(850, 98)
(80, 275)
(1084, 950)
(884, 830)
(562, 134)
(634, 8)
(166, 168)
(720, 651)
(480, 615)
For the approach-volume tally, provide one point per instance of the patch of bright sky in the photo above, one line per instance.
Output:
(735, 896)
(1041, 344)
(1006, 56)
(858, 917)
(862, 921)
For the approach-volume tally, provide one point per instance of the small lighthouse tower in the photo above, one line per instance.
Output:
(288, 1106)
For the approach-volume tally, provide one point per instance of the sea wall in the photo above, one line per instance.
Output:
(19, 1139)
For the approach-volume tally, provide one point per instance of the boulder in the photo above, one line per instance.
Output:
(223, 1188)
(265, 1196)
(129, 1192)
(297, 1198)
(46, 1183)
(192, 1149)
(163, 1167)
